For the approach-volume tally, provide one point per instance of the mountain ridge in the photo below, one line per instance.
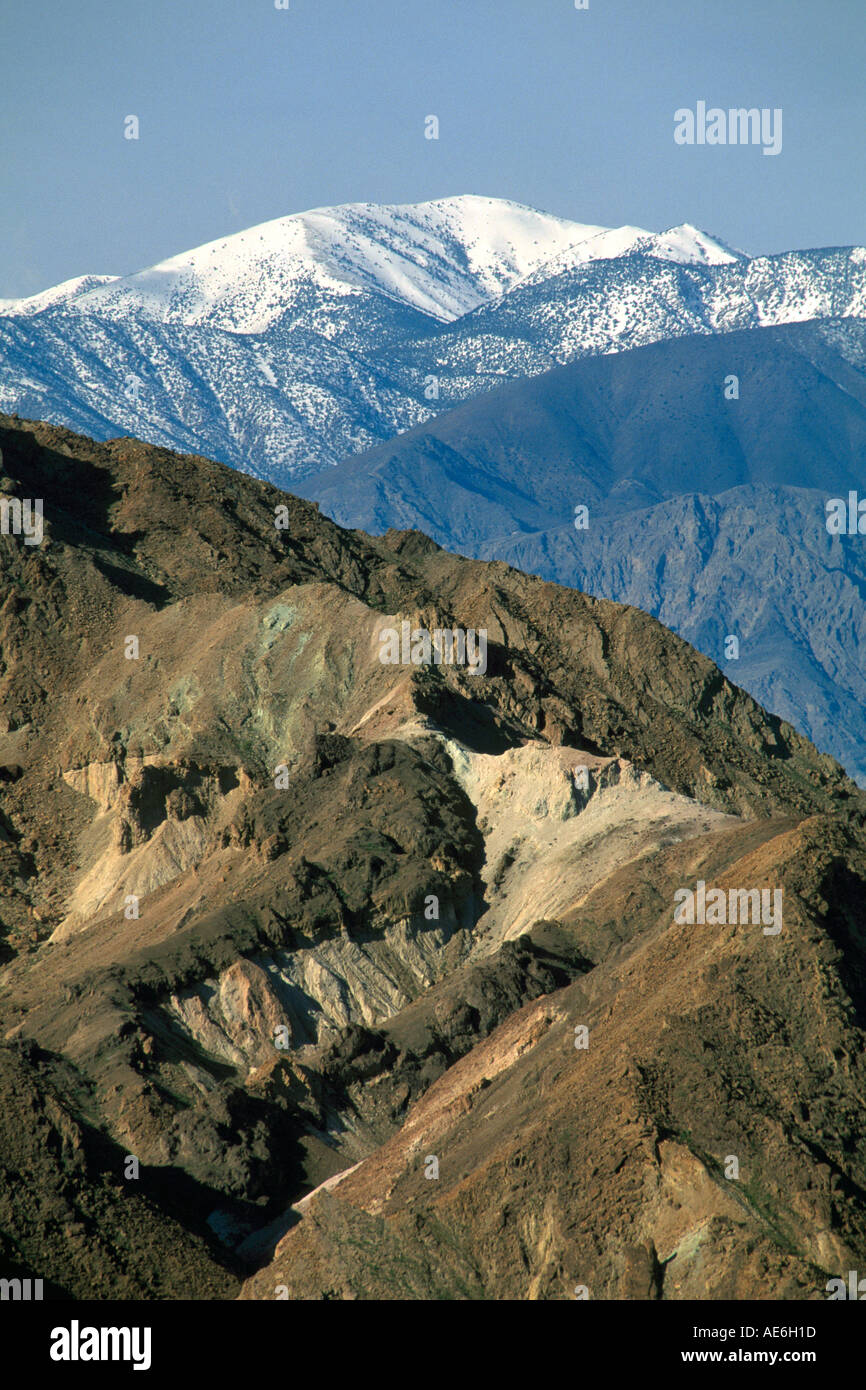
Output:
(273, 910)
(708, 512)
(281, 361)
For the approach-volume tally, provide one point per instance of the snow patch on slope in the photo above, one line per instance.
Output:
(57, 294)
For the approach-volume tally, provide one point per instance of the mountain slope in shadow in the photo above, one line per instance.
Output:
(704, 510)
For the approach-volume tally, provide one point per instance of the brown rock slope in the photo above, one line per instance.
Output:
(608, 1167)
(271, 909)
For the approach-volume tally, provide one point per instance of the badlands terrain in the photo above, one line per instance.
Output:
(329, 979)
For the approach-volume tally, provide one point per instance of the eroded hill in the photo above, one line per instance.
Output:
(273, 910)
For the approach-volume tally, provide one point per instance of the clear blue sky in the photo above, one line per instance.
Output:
(248, 113)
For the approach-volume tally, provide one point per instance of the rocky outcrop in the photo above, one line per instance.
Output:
(673, 1154)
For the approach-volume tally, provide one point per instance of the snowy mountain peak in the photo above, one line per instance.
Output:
(690, 245)
(440, 258)
(685, 244)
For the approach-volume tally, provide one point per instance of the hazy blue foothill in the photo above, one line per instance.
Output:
(705, 511)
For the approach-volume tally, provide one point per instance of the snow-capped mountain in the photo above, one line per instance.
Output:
(441, 258)
(686, 244)
(288, 346)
